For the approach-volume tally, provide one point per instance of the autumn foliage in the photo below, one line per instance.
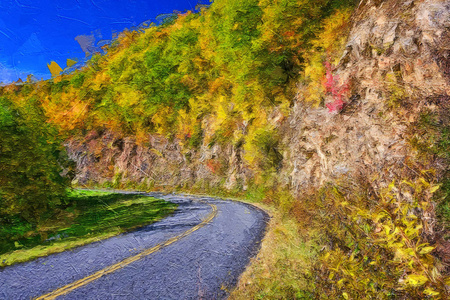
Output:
(338, 92)
(219, 77)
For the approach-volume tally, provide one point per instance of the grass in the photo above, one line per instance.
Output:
(281, 268)
(92, 216)
(443, 207)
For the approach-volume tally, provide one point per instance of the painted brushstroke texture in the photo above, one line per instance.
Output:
(34, 33)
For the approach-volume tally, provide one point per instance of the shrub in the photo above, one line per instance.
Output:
(376, 245)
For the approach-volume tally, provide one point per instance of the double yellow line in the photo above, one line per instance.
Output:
(79, 283)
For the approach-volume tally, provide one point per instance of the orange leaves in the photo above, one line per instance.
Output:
(219, 84)
(126, 38)
(213, 165)
(289, 33)
(235, 62)
(68, 116)
(100, 79)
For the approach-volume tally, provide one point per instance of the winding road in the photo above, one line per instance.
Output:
(197, 253)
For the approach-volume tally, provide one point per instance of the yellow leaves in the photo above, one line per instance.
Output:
(332, 35)
(343, 203)
(387, 229)
(403, 254)
(430, 292)
(426, 250)
(158, 153)
(408, 183)
(66, 110)
(392, 242)
(70, 62)
(218, 85)
(222, 107)
(331, 276)
(127, 96)
(424, 182)
(260, 148)
(100, 79)
(185, 123)
(382, 214)
(434, 188)
(334, 26)
(415, 280)
(54, 68)
(163, 120)
(314, 72)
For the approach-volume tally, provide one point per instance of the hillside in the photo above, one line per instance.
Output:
(333, 114)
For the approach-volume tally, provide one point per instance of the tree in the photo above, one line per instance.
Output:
(32, 159)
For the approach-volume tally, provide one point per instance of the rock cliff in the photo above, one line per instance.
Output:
(397, 63)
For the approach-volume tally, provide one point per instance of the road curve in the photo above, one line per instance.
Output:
(197, 253)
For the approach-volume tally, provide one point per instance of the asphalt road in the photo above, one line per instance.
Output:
(197, 253)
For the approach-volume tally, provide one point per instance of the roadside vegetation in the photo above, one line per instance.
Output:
(91, 216)
(344, 241)
(282, 268)
(229, 76)
(34, 168)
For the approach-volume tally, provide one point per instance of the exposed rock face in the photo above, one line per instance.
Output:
(397, 62)
(108, 157)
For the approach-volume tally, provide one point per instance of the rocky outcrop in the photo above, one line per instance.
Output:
(107, 157)
(397, 63)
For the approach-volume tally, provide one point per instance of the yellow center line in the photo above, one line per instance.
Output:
(81, 282)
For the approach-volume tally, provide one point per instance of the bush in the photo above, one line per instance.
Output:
(375, 246)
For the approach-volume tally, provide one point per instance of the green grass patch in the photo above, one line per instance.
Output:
(91, 216)
(443, 207)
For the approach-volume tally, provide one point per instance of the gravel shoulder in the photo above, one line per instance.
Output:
(205, 264)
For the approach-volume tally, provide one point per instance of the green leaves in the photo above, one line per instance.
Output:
(31, 161)
(6, 117)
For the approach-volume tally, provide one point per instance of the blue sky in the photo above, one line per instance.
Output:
(35, 32)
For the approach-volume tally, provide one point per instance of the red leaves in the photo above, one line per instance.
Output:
(337, 105)
(213, 165)
(336, 90)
